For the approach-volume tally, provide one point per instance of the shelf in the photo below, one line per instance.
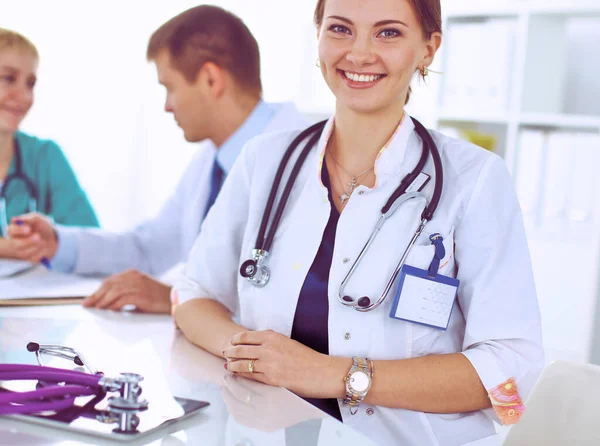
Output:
(558, 120)
(589, 7)
(496, 118)
(529, 119)
(465, 11)
(470, 9)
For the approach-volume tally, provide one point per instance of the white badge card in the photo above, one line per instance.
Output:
(424, 299)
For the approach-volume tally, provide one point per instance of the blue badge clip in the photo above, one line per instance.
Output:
(440, 252)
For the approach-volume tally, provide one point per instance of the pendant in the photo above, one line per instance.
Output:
(353, 183)
(344, 198)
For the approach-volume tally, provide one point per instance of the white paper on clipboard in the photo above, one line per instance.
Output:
(40, 283)
(9, 267)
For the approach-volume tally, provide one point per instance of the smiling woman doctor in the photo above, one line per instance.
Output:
(457, 341)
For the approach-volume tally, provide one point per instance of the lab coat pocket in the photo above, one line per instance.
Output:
(424, 337)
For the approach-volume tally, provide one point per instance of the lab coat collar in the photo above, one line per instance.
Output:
(390, 159)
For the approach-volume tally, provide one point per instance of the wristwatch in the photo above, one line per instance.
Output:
(358, 383)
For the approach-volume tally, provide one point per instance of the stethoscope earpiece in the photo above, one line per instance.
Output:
(364, 302)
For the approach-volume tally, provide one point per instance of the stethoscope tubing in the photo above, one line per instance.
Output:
(89, 380)
(399, 196)
(264, 242)
(19, 371)
(376, 229)
(68, 390)
(31, 408)
(19, 174)
(77, 384)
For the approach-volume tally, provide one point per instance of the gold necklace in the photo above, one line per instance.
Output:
(354, 180)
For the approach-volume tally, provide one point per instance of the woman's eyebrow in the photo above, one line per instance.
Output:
(390, 22)
(380, 23)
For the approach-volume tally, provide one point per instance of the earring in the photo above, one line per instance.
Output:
(424, 71)
(318, 63)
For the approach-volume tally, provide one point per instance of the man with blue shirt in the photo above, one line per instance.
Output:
(209, 63)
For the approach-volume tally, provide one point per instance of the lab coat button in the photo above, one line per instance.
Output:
(361, 192)
(346, 260)
(370, 411)
(347, 336)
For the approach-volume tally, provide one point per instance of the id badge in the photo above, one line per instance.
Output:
(424, 296)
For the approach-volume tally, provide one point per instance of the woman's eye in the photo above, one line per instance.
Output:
(8, 78)
(339, 29)
(389, 33)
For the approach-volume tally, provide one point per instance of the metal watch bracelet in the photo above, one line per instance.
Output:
(358, 382)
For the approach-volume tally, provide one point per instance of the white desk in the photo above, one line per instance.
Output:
(241, 412)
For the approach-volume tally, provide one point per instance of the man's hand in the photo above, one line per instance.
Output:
(131, 288)
(32, 237)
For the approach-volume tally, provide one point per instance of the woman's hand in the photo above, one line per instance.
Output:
(281, 361)
(33, 237)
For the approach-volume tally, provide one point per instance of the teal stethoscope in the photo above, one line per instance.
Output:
(255, 269)
(17, 175)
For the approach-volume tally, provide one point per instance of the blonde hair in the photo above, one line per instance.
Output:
(13, 40)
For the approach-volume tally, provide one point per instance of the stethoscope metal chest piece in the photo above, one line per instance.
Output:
(57, 390)
(255, 269)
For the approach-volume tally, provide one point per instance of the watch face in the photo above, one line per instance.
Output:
(359, 381)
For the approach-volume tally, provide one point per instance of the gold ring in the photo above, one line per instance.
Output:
(251, 366)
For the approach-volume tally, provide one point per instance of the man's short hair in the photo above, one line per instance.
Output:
(210, 34)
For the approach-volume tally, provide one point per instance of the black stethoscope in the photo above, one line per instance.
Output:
(17, 175)
(258, 274)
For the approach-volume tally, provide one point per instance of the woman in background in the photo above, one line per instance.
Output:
(34, 173)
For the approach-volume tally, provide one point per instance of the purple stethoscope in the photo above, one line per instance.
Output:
(57, 389)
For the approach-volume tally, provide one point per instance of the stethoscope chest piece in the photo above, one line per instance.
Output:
(254, 269)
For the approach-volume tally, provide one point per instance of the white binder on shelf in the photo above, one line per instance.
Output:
(497, 64)
(557, 183)
(462, 85)
(529, 174)
(584, 189)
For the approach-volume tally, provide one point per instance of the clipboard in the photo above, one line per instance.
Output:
(39, 286)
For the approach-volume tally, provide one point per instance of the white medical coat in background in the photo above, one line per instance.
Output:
(495, 322)
(166, 240)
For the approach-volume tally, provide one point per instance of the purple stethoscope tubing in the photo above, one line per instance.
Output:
(32, 408)
(58, 375)
(77, 384)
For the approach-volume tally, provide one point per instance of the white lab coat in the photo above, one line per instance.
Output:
(495, 321)
(166, 240)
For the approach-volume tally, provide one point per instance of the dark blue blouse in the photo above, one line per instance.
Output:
(312, 311)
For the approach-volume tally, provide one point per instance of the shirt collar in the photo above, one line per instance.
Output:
(254, 125)
(391, 156)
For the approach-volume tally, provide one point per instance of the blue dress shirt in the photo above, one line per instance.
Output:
(66, 255)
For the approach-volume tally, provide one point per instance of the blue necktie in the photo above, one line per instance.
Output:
(216, 181)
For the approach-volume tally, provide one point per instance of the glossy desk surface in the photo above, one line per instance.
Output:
(241, 412)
